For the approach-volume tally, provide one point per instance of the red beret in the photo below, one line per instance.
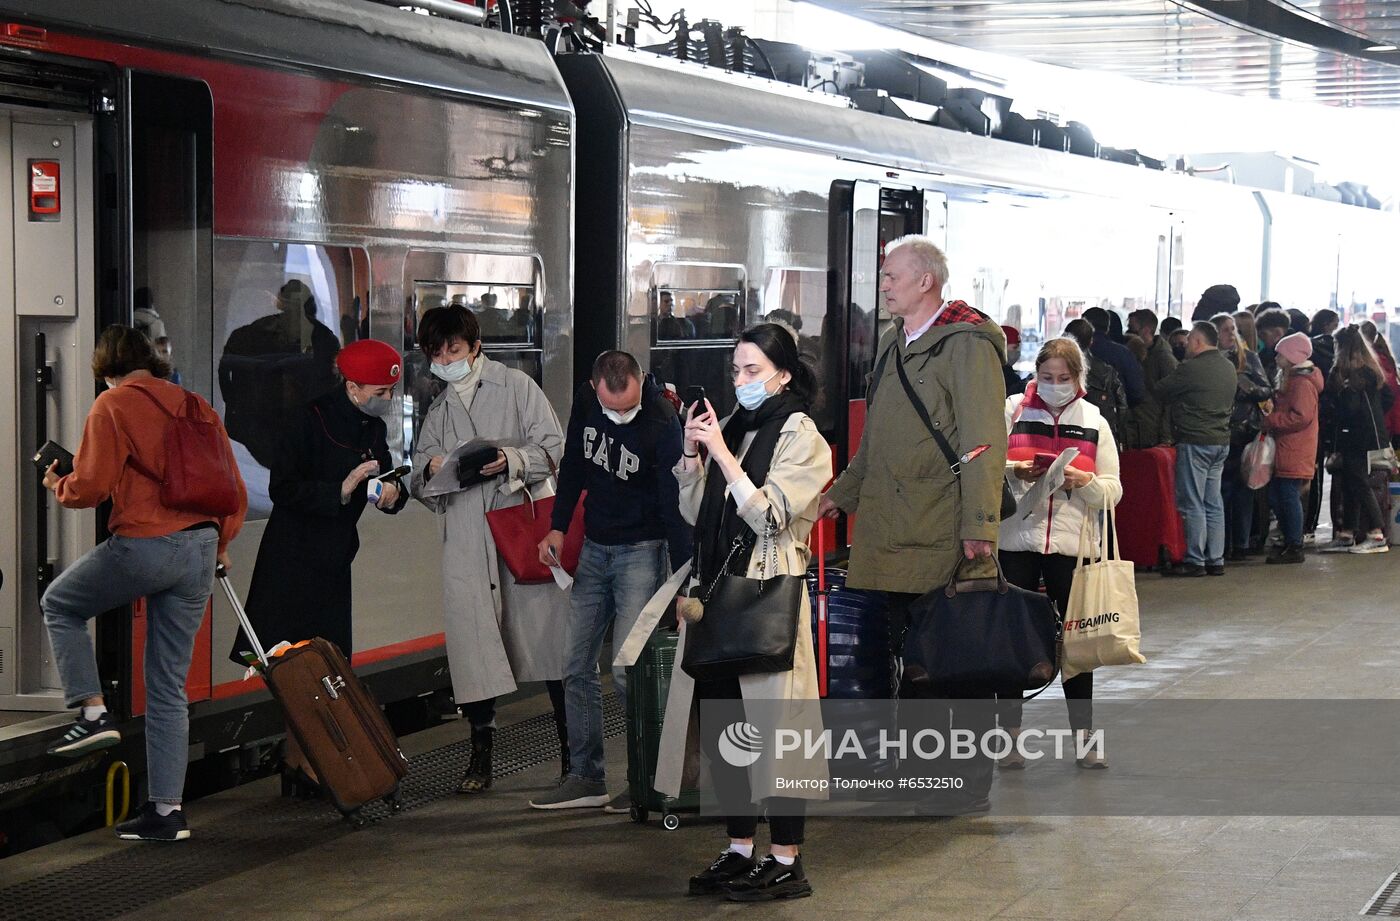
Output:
(370, 363)
(1013, 335)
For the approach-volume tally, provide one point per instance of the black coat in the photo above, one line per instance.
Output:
(1353, 413)
(301, 582)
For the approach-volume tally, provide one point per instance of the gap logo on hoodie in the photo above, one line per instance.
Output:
(598, 448)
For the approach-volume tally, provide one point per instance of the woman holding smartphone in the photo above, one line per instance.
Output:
(1049, 418)
(319, 486)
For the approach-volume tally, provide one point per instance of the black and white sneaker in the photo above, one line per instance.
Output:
(85, 736)
(150, 825)
(768, 881)
(727, 866)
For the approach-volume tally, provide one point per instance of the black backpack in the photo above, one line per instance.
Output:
(1104, 388)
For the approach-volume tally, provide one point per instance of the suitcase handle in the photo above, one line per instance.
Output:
(221, 576)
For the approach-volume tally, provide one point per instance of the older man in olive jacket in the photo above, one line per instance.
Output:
(917, 518)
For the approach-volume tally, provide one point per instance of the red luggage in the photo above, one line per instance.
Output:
(1151, 523)
(334, 718)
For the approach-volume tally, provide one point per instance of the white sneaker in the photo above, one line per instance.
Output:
(1309, 539)
(1372, 545)
(1338, 545)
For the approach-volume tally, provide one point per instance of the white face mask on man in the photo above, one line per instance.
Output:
(617, 418)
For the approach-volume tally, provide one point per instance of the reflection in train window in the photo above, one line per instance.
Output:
(282, 311)
(687, 315)
(697, 314)
(795, 298)
(506, 313)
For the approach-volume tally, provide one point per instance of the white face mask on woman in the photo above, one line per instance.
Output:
(452, 371)
(1057, 395)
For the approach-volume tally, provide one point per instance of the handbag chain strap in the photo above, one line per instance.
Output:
(770, 530)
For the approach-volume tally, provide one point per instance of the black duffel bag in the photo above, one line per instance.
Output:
(986, 632)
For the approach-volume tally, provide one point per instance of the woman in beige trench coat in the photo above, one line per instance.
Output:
(767, 467)
(499, 634)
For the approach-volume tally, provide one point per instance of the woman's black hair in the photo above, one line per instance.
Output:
(777, 344)
(441, 325)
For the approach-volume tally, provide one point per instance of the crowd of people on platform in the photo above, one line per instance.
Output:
(1326, 395)
(665, 485)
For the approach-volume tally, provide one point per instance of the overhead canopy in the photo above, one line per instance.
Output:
(1329, 51)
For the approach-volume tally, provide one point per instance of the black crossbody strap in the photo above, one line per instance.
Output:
(954, 464)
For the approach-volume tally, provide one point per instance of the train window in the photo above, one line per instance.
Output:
(282, 312)
(172, 220)
(796, 298)
(697, 303)
(505, 293)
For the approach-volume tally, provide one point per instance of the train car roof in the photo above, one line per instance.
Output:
(685, 96)
(351, 37)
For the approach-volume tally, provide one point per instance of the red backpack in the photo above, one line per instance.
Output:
(197, 474)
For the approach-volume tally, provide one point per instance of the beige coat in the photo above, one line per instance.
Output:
(800, 469)
(498, 633)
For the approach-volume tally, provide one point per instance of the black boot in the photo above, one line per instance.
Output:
(478, 776)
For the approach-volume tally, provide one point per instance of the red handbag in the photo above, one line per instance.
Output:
(518, 530)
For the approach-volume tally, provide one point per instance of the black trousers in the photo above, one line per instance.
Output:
(976, 772)
(481, 713)
(1362, 511)
(787, 817)
(1025, 570)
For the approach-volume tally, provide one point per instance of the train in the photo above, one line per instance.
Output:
(258, 184)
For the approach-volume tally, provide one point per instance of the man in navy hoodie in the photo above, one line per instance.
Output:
(624, 439)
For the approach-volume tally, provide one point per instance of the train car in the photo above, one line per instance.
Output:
(257, 185)
(712, 200)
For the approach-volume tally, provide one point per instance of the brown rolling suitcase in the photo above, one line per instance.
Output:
(335, 720)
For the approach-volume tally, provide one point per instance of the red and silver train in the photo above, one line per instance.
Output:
(258, 184)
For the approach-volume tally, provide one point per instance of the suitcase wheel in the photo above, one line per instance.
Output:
(394, 801)
(670, 821)
(356, 818)
(638, 814)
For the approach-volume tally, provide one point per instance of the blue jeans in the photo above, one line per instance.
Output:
(612, 585)
(1285, 499)
(1198, 470)
(175, 574)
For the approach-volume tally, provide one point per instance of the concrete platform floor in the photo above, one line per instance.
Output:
(1328, 628)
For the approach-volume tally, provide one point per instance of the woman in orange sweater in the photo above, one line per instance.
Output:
(163, 554)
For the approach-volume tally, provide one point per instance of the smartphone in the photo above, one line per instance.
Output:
(1043, 460)
(695, 396)
(53, 451)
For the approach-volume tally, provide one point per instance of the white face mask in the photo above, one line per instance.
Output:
(452, 371)
(1056, 395)
(617, 418)
(109, 382)
(1013, 354)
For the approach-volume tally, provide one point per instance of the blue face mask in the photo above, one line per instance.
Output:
(753, 394)
(453, 370)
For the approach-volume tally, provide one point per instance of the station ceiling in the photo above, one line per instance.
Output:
(1338, 52)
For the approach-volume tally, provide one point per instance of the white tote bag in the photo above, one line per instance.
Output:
(1101, 625)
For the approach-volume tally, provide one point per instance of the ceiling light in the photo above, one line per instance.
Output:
(1382, 48)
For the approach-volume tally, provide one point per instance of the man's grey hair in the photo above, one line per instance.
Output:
(926, 255)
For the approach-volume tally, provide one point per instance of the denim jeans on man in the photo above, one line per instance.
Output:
(612, 585)
(175, 574)
(1198, 471)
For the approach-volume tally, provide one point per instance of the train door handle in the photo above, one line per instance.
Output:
(43, 381)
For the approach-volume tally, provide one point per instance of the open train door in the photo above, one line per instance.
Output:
(48, 312)
(865, 216)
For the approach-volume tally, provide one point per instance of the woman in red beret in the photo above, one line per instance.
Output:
(319, 487)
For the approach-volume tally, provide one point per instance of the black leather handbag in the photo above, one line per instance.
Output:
(750, 625)
(986, 632)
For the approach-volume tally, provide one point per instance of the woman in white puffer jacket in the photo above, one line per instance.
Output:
(1044, 542)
